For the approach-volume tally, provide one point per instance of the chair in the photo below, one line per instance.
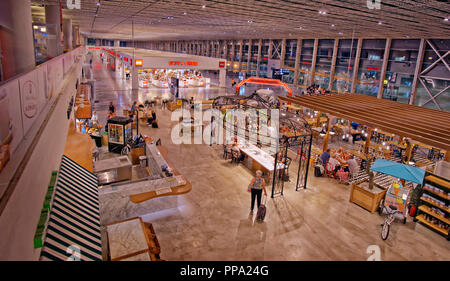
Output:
(286, 169)
(234, 156)
(226, 151)
(329, 170)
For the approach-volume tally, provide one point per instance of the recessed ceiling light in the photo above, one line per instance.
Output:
(35, 26)
(300, 27)
(333, 25)
(340, 33)
(170, 18)
(203, 6)
(250, 21)
(445, 19)
(184, 13)
(43, 29)
(380, 22)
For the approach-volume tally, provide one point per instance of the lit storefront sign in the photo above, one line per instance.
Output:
(190, 63)
(139, 62)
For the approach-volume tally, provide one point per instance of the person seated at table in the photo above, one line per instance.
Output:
(235, 149)
(335, 164)
(325, 156)
(352, 165)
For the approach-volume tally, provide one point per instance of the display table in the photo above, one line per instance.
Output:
(130, 240)
(258, 159)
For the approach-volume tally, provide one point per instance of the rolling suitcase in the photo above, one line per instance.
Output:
(317, 171)
(261, 214)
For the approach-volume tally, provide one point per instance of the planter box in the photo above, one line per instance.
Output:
(368, 199)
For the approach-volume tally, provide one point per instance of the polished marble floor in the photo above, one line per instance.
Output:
(212, 222)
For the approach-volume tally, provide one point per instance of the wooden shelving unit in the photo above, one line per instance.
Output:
(426, 204)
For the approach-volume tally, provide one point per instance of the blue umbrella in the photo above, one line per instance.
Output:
(398, 170)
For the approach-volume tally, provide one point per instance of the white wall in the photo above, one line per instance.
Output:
(19, 219)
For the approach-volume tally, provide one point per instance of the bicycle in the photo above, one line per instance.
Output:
(392, 214)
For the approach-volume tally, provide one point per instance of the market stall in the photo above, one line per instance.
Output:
(266, 148)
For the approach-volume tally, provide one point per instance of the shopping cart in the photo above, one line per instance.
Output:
(394, 205)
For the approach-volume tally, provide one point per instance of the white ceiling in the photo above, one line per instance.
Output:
(242, 19)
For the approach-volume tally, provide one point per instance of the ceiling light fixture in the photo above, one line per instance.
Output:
(98, 3)
(333, 25)
(340, 33)
(203, 6)
(250, 21)
(35, 26)
(43, 29)
(445, 19)
(380, 22)
(184, 13)
(170, 18)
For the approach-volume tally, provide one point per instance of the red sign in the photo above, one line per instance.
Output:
(221, 64)
(139, 62)
(372, 68)
(190, 63)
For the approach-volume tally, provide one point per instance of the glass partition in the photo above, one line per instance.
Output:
(400, 70)
(343, 71)
(323, 63)
(291, 52)
(304, 72)
(372, 55)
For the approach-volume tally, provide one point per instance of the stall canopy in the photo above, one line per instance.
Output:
(398, 170)
(74, 219)
(421, 124)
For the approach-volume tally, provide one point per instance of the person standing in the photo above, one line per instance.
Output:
(256, 187)
(325, 156)
(112, 108)
(133, 109)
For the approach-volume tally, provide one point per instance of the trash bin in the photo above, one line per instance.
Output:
(143, 161)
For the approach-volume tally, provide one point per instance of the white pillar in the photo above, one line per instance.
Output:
(68, 36)
(222, 78)
(76, 35)
(116, 43)
(17, 37)
(53, 22)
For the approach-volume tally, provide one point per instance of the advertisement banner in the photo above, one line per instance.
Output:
(43, 87)
(54, 77)
(29, 99)
(10, 115)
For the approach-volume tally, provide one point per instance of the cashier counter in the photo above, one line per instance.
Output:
(119, 168)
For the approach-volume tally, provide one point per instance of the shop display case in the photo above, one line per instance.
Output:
(119, 132)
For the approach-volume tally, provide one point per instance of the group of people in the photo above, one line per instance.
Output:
(313, 90)
(338, 160)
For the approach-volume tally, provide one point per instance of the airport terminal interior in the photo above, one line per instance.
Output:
(186, 130)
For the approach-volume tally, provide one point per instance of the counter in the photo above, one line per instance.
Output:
(113, 170)
(128, 241)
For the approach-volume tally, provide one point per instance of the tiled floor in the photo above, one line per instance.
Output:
(212, 222)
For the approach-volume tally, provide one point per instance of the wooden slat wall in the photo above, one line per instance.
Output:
(425, 125)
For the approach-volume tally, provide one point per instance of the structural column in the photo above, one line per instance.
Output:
(76, 36)
(333, 64)
(356, 65)
(116, 43)
(68, 36)
(241, 43)
(297, 60)
(419, 64)
(384, 67)
(249, 56)
(314, 60)
(283, 52)
(16, 38)
(53, 22)
(258, 59)
(269, 55)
